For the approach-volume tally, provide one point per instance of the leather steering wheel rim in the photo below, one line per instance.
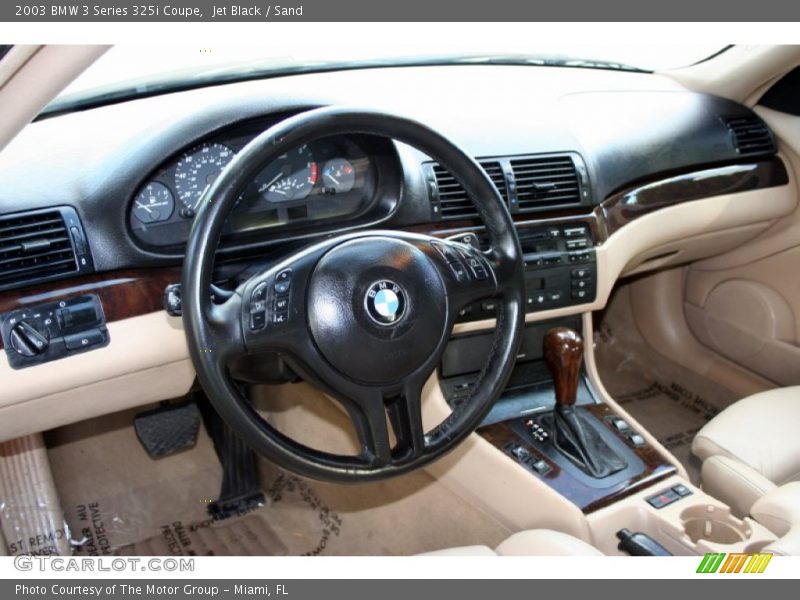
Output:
(427, 297)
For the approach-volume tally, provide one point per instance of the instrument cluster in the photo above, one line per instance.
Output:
(326, 180)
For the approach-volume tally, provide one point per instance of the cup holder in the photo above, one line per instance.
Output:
(714, 524)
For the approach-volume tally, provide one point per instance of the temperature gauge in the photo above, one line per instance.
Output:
(338, 176)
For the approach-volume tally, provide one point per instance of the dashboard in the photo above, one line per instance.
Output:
(558, 143)
(134, 171)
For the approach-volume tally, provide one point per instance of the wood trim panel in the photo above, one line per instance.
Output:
(123, 294)
(588, 499)
(622, 208)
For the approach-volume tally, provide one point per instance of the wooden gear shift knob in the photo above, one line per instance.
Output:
(563, 353)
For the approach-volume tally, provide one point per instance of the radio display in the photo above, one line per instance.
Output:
(535, 246)
(534, 283)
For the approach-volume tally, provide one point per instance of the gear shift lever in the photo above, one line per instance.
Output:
(563, 353)
(574, 433)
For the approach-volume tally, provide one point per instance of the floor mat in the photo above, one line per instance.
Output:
(119, 501)
(245, 536)
(672, 402)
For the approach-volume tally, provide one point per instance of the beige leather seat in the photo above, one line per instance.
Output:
(535, 542)
(751, 447)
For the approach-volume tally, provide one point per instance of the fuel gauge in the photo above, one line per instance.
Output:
(153, 203)
(338, 176)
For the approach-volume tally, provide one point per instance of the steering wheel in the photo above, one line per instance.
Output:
(364, 316)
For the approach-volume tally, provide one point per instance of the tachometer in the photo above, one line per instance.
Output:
(196, 171)
(153, 203)
(291, 177)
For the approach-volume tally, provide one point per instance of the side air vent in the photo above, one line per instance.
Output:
(452, 198)
(40, 246)
(546, 181)
(750, 135)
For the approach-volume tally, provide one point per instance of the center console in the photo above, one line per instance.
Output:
(685, 521)
(553, 423)
(549, 420)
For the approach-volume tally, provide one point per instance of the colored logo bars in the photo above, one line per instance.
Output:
(720, 562)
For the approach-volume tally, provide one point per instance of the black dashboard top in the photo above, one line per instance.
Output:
(625, 127)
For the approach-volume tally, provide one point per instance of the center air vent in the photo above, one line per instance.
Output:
(545, 182)
(38, 246)
(453, 200)
(527, 183)
(750, 135)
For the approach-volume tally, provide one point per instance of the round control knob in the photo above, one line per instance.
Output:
(28, 341)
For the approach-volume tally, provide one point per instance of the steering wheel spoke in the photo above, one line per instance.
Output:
(405, 415)
(224, 341)
(468, 274)
(369, 419)
(272, 311)
(379, 413)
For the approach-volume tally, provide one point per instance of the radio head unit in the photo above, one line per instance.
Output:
(560, 269)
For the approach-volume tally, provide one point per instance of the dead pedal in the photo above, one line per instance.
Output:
(168, 429)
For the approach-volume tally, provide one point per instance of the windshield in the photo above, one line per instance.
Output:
(129, 71)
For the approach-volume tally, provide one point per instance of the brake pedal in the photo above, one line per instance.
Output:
(168, 429)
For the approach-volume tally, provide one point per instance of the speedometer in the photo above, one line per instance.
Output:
(291, 177)
(196, 171)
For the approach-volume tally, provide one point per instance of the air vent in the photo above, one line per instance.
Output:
(453, 200)
(495, 172)
(34, 246)
(750, 135)
(545, 181)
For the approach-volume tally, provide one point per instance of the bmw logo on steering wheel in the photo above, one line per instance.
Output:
(385, 302)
